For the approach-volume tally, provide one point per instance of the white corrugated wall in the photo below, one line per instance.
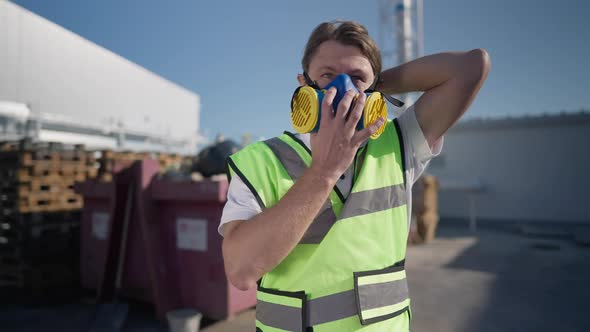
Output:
(532, 170)
(57, 72)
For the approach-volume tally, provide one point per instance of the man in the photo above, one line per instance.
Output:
(320, 221)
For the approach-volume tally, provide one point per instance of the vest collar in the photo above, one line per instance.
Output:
(306, 140)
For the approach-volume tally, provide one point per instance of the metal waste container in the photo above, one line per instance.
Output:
(185, 215)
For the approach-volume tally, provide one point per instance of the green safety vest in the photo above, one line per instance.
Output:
(347, 272)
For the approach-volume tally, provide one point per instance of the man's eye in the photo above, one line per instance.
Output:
(357, 78)
(327, 75)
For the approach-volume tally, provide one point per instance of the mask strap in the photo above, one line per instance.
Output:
(374, 85)
(309, 82)
(393, 101)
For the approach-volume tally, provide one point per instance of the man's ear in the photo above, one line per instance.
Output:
(301, 80)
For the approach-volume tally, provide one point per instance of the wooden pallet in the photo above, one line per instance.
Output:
(123, 155)
(22, 219)
(41, 202)
(169, 160)
(25, 159)
(37, 276)
(18, 175)
(31, 238)
(63, 248)
(22, 160)
(60, 168)
(29, 158)
(41, 185)
(30, 145)
(15, 233)
(109, 159)
(105, 177)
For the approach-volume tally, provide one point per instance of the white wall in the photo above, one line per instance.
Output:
(56, 71)
(534, 170)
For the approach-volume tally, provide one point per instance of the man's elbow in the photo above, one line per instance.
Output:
(479, 65)
(241, 280)
(238, 271)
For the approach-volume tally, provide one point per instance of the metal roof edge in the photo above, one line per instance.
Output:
(563, 118)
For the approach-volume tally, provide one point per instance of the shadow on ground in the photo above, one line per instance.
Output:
(494, 280)
(499, 280)
(68, 310)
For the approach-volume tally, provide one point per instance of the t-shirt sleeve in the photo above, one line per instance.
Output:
(241, 203)
(418, 152)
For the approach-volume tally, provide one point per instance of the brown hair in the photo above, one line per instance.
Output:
(347, 33)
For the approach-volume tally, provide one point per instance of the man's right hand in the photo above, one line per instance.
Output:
(336, 142)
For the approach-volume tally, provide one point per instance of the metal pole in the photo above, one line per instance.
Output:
(472, 213)
(420, 27)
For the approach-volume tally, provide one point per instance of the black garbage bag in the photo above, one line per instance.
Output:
(211, 160)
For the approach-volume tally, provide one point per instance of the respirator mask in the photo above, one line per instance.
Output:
(307, 100)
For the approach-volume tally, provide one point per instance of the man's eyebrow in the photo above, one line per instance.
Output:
(327, 68)
(356, 72)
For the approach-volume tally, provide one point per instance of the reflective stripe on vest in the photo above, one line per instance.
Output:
(369, 201)
(381, 294)
(363, 202)
(281, 310)
(378, 295)
(295, 167)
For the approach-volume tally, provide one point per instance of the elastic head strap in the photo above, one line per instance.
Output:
(393, 101)
(309, 82)
(373, 86)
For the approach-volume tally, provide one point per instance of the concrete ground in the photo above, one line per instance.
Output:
(491, 281)
(499, 281)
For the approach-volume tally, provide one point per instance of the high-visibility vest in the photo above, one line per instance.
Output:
(347, 272)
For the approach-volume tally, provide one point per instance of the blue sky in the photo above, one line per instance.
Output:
(242, 57)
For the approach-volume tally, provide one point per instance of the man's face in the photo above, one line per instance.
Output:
(333, 58)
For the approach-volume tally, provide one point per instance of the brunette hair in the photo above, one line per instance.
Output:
(347, 33)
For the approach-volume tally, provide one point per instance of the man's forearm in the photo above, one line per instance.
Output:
(427, 72)
(256, 246)
(450, 81)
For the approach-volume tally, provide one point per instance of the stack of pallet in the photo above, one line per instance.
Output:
(40, 213)
(170, 160)
(109, 160)
(424, 210)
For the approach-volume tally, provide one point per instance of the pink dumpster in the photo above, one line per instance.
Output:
(104, 203)
(181, 223)
(173, 251)
(94, 227)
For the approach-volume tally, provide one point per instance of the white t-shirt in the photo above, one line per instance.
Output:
(241, 204)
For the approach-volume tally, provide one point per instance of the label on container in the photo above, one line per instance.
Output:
(100, 225)
(191, 234)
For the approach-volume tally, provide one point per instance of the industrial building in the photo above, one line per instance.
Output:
(58, 86)
(529, 169)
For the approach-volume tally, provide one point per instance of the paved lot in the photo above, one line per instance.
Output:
(499, 281)
(494, 281)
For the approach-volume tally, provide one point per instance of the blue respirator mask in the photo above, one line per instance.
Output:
(307, 100)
